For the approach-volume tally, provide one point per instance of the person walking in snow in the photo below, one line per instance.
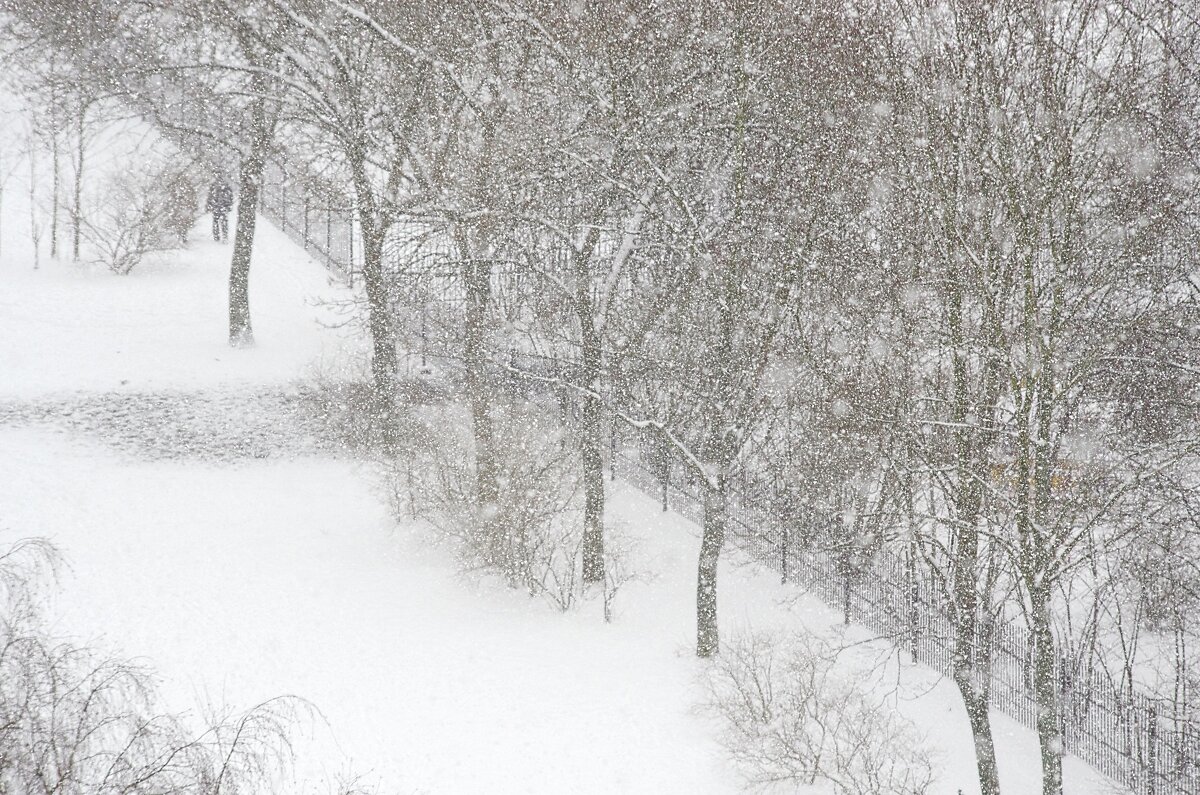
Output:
(220, 202)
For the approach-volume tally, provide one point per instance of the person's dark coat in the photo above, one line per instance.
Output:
(220, 198)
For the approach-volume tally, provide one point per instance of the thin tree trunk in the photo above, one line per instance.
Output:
(479, 287)
(720, 453)
(591, 442)
(971, 660)
(35, 233)
(591, 446)
(1045, 680)
(54, 157)
(1045, 692)
(77, 198)
(54, 188)
(716, 515)
(241, 333)
(1033, 475)
(1034, 467)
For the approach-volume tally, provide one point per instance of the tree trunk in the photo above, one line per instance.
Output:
(374, 222)
(1045, 691)
(383, 343)
(591, 445)
(54, 188)
(241, 333)
(985, 749)
(591, 442)
(1038, 548)
(383, 337)
(716, 514)
(35, 234)
(479, 287)
(54, 164)
(77, 198)
(971, 661)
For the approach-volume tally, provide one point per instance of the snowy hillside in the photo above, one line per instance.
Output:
(260, 564)
(516, 396)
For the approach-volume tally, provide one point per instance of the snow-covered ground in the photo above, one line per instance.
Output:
(241, 578)
(68, 328)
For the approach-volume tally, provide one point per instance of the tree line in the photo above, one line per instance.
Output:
(922, 270)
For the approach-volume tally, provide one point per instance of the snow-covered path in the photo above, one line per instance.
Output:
(239, 579)
(70, 327)
(242, 582)
(242, 577)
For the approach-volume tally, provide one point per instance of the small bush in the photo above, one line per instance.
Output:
(533, 535)
(132, 219)
(789, 719)
(74, 722)
(347, 413)
(339, 395)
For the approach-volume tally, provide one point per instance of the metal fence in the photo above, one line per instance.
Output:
(311, 210)
(1130, 737)
(315, 214)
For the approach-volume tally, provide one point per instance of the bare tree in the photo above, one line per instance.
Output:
(586, 197)
(365, 100)
(752, 136)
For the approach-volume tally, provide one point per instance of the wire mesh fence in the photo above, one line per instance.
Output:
(1127, 736)
(1130, 737)
(311, 210)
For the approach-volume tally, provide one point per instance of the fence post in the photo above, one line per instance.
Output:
(329, 231)
(283, 204)
(1152, 748)
(612, 449)
(665, 476)
(846, 597)
(914, 622)
(424, 341)
(1187, 742)
(783, 555)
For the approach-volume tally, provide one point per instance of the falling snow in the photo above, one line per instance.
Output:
(516, 396)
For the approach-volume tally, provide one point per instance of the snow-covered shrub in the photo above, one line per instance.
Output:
(74, 722)
(788, 718)
(533, 535)
(131, 220)
(345, 409)
(338, 393)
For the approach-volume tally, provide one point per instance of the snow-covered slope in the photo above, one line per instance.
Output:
(68, 327)
(243, 578)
